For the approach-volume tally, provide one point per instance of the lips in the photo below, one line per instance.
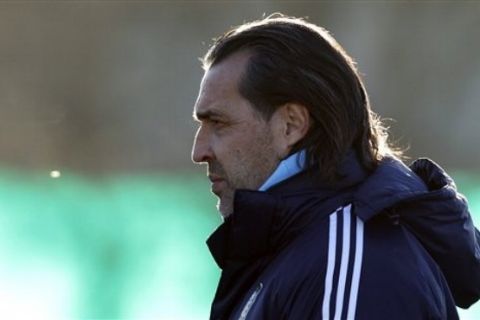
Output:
(217, 183)
(214, 178)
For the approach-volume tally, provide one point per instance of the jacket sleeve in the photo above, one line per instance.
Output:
(440, 219)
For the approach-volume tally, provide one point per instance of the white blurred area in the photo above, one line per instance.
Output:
(36, 291)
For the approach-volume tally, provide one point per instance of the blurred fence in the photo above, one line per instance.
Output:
(102, 86)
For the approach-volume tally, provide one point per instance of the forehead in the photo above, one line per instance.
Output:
(219, 86)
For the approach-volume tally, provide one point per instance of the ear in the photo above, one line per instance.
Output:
(291, 123)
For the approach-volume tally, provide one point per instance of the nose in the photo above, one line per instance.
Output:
(201, 150)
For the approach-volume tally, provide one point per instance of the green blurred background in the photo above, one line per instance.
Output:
(102, 214)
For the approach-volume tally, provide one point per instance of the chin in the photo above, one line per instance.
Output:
(224, 209)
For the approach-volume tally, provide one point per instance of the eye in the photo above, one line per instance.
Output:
(217, 122)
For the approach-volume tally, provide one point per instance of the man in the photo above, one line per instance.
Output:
(321, 219)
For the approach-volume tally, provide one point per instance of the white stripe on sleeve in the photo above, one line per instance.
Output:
(357, 268)
(332, 242)
(343, 263)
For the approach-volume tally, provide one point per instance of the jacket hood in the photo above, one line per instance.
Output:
(439, 217)
(390, 184)
(424, 198)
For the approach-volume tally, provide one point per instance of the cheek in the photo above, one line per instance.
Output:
(228, 155)
(245, 155)
(255, 154)
(234, 155)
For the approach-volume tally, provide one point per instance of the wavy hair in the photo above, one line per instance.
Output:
(296, 61)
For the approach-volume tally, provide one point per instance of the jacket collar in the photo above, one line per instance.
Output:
(263, 221)
(286, 169)
(244, 235)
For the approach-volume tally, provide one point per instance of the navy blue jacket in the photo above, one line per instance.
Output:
(398, 243)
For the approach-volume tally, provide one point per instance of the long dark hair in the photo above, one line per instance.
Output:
(296, 61)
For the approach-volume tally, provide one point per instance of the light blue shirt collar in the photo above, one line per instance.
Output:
(286, 169)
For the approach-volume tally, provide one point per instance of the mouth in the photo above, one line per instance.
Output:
(217, 183)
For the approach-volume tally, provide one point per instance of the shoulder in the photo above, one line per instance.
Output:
(341, 266)
(323, 263)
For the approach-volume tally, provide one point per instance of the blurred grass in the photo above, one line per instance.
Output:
(130, 246)
(122, 247)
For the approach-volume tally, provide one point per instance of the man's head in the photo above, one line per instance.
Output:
(240, 146)
(286, 85)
